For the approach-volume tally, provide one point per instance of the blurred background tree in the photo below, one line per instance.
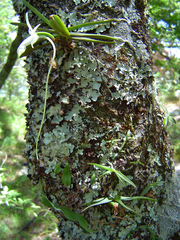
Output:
(165, 35)
(13, 92)
(18, 199)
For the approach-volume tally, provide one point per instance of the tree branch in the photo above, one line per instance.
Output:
(11, 58)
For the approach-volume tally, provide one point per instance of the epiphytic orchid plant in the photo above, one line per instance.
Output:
(60, 32)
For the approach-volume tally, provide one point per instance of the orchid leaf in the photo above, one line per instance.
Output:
(93, 36)
(57, 24)
(68, 213)
(117, 200)
(101, 166)
(137, 198)
(92, 40)
(98, 202)
(122, 178)
(120, 175)
(125, 206)
(102, 175)
(91, 23)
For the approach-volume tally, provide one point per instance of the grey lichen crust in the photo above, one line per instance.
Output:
(96, 95)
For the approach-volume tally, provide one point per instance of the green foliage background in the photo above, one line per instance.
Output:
(165, 35)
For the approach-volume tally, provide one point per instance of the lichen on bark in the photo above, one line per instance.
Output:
(96, 96)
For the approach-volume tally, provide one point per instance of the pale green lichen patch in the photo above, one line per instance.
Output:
(153, 156)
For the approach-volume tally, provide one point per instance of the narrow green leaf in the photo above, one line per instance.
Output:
(66, 177)
(36, 12)
(107, 172)
(95, 36)
(173, 120)
(154, 235)
(101, 166)
(137, 198)
(126, 137)
(91, 23)
(125, 140)
(19, 24)
(46, 202)
(146, 189)
(98, 202)
(168, 121)
(45, 34)
(125, 206)
(122, 177)
(91, 40)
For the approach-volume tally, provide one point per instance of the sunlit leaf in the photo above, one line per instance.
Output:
(2, 169)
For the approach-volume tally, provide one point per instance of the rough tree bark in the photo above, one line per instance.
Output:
(95, 96)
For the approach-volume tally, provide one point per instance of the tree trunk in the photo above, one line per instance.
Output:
(97, 97)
